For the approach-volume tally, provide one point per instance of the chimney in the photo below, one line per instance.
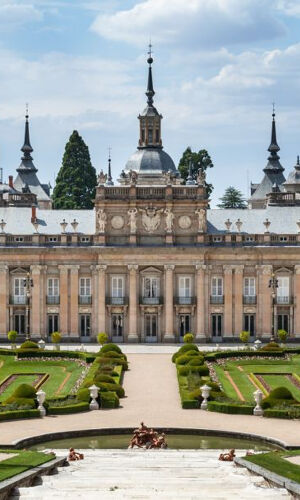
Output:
(11, 181)
(33, 214)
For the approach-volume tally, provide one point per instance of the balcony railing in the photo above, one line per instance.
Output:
(185, 301)
(249, 299)
(18, 299)
(117, 301)
(284, 299)
(217, 299)
(52, 299)
(151, 300)
(85, 299)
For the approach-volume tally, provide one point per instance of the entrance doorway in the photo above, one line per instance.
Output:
(19, 323)
(184, 325)
(151, 323)
(283, 322)
(85, 325)
(117, 327)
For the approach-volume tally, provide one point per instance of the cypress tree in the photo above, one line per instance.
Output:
(76, 180)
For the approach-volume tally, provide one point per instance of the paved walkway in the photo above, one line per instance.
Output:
(152, 396)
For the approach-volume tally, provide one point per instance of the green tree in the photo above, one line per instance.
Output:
(102, 338)
(232, 198)
(76, 180)
(199, 160)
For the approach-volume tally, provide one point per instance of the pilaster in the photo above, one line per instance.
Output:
(133, 333)
(101, 268)
(200, 284)
(35, 327)
(228, 301)
(238, 300)
(265, 300)
(4, 295)
(169, 309)
(297, 301)
(63, 310)
(74, 286)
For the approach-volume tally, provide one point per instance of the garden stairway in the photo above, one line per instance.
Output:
(163, 474)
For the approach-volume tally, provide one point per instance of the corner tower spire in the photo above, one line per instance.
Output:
(273, 160)
(26, 159)
(150, 119)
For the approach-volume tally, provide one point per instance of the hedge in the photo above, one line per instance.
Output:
(62, 410)
(273, 413)
(109, 400)
(230, 408)
(190, 404)
(18, 414)
(27, 353)
(213, 356)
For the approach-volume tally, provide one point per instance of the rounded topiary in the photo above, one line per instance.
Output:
(110, 347)
(25, 391)
(112, 387)
(109, 399)
(25, 403)
(87, 383)
(12, 335)
(281, 393)
(188, 338)
(271, 346)
(29, 344)
(282, 335)
(198, 361)
(183, 349)
(114, 354)
(56, 337)
(102, 338)
(104, 378)
(83, 395)
(185, 370)
(244, 336)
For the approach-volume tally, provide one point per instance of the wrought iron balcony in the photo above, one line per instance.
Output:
(217, 299)
(117, 301)
(18, 299)
(249, 299)
(185, 301)
(284, 300)
(53, 299)
(154, 301)
(85, 299)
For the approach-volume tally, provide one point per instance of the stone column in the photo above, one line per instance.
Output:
(265, 300)
(227, 301)
(238, 300)
(36, 291)
(169, 307)
(132, 333)
(64, 302)
(101, 268)
(94, 291)
(200, 283)
(297, 301)
(74, 286)
(4, 299)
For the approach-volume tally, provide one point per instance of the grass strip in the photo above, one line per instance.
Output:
(22, 462)
(274, 461)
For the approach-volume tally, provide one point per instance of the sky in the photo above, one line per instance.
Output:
(218, 67)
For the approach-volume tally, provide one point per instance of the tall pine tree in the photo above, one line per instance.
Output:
(76, 180)
(232, 198)
(199, 160)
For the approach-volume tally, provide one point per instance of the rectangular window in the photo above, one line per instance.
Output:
(184, 286)
(156, 136)
(117, 286)
(249, 287)
(184, 324)
(53, 287)
(283, 322)
(19, 323)
(151, 287)
(53, 323)
(217, 287)
(117, 327)
(249, 324)
(85, 287)
(19, 288)
(85, 325)
(216, 325)
(283, 290)
(150, 327)
(150, 136)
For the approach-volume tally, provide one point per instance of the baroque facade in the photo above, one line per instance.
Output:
(151, 262)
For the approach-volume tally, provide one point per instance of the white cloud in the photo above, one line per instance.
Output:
(289, 7)
(198, 23)
(15, 14)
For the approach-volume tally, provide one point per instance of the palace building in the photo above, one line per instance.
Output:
(151, 261)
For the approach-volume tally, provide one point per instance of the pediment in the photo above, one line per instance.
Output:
(19, 270)
(151, 270)
(283, 270)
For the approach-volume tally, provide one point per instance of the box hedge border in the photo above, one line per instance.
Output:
(18, 414)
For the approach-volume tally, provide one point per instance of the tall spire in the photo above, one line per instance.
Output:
(26, 159)
(150, 90)
(273, 163)
(109, 181)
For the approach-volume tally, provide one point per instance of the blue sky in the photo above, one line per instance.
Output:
(218, 66)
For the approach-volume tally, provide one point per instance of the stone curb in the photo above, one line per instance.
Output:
(27, 478)
(274, 478)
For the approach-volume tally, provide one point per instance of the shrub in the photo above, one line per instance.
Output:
(18, 414)
(281, 393)
(271, 346)
(190, 404)
(117, 355)
(188, 338)
(24, 403)
(12, 335)
(83, 395)
(56, 337)
(282, 334)
(231, 408)
(110, 347)
(25, 391)
(184, 349)
(196, 361)
(104, 378)
(109, 400)
(280, 396)
(185, 358)
(277, 413)
(72, 408)
(29, 344)
(104, 386)
(102, 338)
(244, 336)
(187, 369)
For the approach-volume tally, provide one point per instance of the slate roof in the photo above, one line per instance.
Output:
(283, 220)
(150, 161)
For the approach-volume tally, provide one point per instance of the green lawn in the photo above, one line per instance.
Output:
(258, 366)
(21, 462)
(275, 462)
(58, 372)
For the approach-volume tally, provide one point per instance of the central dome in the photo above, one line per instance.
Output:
(150, 161)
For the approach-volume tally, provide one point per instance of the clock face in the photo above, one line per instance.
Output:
(117, 222)
(184, 222)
